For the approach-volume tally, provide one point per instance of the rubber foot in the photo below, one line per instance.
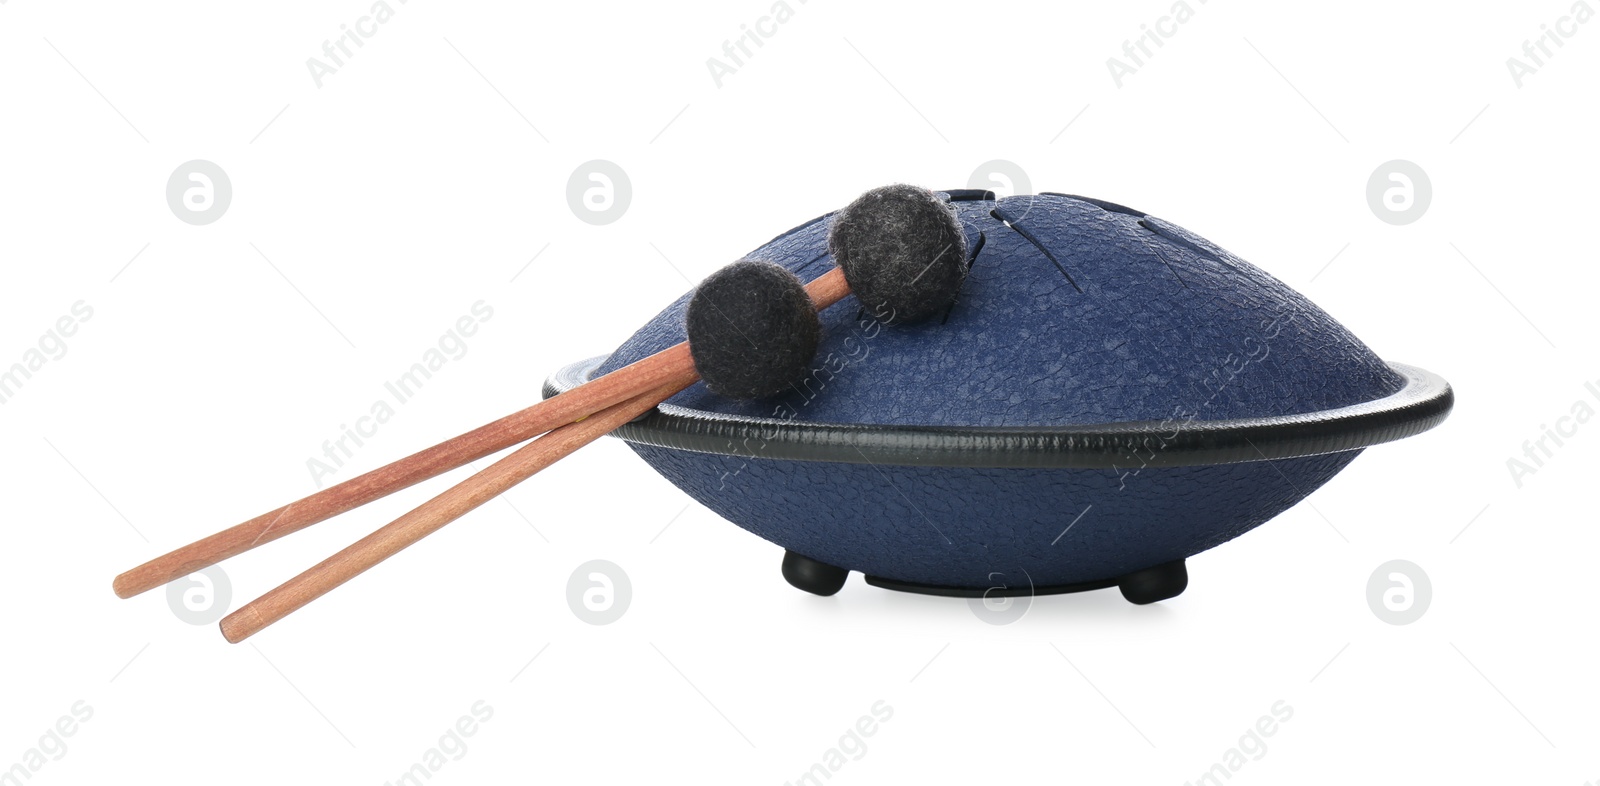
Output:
(1158, 583)
(807, 574)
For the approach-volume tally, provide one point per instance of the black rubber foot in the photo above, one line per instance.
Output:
(814, 577)
(1167, 580)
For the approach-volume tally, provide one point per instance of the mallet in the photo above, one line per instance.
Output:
(900, 245)
(752, 326)
(752, 331)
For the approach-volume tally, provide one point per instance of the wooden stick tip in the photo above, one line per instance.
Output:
(240, 625)
(126, 586)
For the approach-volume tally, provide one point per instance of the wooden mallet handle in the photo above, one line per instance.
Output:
(584, 400)
(379, 483)
(469, 494)
(437, 512)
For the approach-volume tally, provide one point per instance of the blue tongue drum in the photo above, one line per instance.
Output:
(1107, 395)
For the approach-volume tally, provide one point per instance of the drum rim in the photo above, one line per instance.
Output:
(1423, 402)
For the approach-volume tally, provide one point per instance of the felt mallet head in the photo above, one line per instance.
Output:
(753, 330)
(903, 251)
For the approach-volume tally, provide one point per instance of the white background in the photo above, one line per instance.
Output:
(370, 213)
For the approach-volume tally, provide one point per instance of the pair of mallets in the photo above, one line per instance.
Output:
(753, 330)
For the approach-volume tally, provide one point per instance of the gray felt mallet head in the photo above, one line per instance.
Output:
(753, 330)
(902, 250)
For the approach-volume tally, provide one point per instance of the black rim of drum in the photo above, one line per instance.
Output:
(1422, 403)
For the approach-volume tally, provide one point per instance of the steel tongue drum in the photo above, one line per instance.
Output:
(1107, 395)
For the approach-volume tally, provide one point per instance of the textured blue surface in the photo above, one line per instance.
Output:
(1165, 325)
(973, 527)
(1134, 319)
